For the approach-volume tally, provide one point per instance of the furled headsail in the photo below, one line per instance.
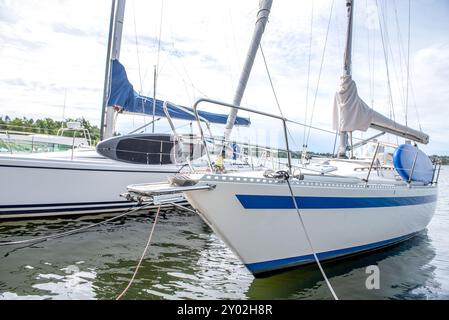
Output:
(123, 96)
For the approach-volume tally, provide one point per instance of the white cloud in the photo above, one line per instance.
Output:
(51, 46)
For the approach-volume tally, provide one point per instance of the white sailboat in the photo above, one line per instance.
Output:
(329, 209)
(83, 180)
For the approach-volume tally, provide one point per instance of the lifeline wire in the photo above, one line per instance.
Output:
(59, 235)
(143, 255)
(286, 176)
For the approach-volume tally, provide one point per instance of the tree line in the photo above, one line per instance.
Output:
(297, 155)
(47, 126)
(444, 159)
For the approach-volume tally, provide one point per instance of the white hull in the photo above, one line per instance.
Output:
(51, 185)
(257, 219)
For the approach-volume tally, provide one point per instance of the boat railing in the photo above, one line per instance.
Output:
(437, 163)
(413, 167)
(250, 148)
(285, 150)
(283, 120)
(26, 130)
(371, 166)
(256, 155)
(85, 132)
(35, 142)
(176, 106)
(191, 149)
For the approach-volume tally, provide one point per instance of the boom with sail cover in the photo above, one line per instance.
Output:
(124, 98)
(352, 113)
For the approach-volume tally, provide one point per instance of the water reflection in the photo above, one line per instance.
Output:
(187, 261)
(404, 268)
(108, 254)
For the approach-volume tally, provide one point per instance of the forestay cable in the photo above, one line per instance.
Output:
(319, 73)
(308, 78)
(271, 82)
(274, 92)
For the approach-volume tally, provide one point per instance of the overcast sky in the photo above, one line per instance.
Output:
(50, 47)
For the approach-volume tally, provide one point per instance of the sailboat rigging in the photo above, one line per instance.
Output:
(344, 208)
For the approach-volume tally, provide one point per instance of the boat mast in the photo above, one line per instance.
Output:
(108, 67)
(347, 71)
(262, 18)
(348, 48)
(113, 52)
(154, 97)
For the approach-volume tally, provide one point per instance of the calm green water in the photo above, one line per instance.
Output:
(187, 261)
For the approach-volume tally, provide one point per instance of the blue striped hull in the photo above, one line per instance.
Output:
(304, 202)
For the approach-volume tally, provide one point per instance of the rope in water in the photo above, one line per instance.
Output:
(285, 175)
(143, 255)
(62, 234)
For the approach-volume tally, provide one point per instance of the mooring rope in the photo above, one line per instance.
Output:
(310, 243)
(285, 175)
(143, 255)
(66, 233)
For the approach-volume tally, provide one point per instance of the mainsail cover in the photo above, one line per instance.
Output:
(352, 113)
(122, 95)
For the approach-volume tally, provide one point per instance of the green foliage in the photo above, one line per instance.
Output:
(444, 159)
(47, 126)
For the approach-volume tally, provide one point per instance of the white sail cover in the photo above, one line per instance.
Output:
(352, 113)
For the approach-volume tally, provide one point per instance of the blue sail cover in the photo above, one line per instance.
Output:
(122, 94)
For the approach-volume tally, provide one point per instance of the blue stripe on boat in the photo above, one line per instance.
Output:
(266, 266)
(286, 202)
